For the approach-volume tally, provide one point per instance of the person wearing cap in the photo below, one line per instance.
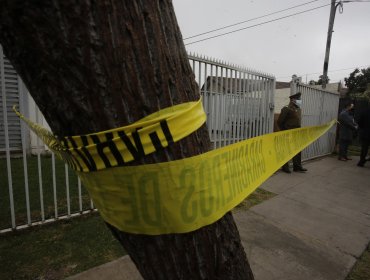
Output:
(290, 118)
(347, 127)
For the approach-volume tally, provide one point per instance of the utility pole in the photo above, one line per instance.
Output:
(333, 9)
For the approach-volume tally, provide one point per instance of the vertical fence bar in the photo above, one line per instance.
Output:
(79, 193)
(225, 107)
(54, 185)
(205, 90)
(232, 112)
(234, 109)
(222, 116)
(272, 109)
(40, 187)
(67, 191)
(22, 92)
(264, 97)
(236, 103)
(259, 107)
(266, 106)
(193, 65)
(253, 107)
(210, 118)
(217, 108)
(240, 117)
(245, 109)
(199, 73)
(248, 106)
(41, 191)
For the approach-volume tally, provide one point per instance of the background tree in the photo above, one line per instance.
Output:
(96, 65)
(320, 80)
(358, 80)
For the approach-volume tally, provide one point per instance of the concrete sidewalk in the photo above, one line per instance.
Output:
(315, 228)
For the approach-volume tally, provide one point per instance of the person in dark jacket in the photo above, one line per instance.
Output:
(364, 134)
(289, 118)
(347, 127)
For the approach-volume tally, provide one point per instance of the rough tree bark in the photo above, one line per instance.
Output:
(96, 65)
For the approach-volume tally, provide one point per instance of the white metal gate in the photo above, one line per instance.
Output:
(318, 107)
(239, 102)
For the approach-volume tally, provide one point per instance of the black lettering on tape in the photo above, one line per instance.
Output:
(166, 132)
(138, 151)
(107, 143)
(155, 139)
(85, 156)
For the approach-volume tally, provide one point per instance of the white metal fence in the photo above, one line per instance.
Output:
(37, 188)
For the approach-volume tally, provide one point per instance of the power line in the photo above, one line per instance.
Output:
(248, 20)
(255, 25)
(251, 26)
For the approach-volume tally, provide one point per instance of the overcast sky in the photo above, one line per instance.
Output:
(294, 45)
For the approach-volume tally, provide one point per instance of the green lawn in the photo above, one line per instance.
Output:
(54, 250)
(361, 270)
(57, 250)
(253, 199)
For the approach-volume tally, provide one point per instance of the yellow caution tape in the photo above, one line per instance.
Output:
(116, 147)
(185, 195)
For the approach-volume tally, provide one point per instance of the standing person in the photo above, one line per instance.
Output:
(347, 126)
(364, 132)
(289, 118)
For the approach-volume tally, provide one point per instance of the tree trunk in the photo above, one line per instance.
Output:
(96, 65)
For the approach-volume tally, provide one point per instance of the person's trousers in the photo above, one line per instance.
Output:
(297, 161)
(365, 143)
(343, 147)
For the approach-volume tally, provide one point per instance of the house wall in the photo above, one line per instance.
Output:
(10, 127)
(281, 99)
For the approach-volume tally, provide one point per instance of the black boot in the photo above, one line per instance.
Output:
(299, 169)
(361, 163)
